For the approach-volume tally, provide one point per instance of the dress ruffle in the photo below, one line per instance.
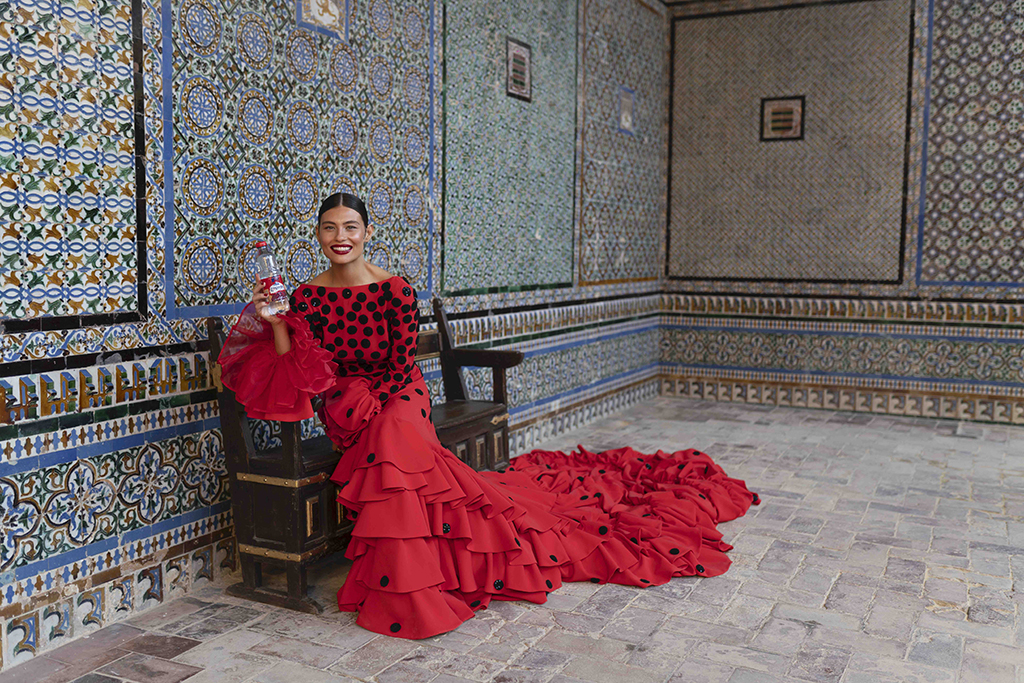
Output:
(348, 408)
(272, 386)
(434, 541)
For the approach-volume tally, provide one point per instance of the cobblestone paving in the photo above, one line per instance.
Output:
(886, 550)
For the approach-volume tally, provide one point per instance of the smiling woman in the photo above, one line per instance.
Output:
(433, 540)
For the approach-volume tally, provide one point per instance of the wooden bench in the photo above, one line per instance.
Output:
(285, 507)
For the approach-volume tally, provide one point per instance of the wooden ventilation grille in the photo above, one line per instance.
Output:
(519, 71)
(782, 120)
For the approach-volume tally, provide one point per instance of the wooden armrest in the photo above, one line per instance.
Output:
(487, 358)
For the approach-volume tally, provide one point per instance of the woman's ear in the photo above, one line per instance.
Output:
(369, 232)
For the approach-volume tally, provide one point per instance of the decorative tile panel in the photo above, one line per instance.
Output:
(827, 207)
(508, 163)
(67, 164)
(972, 229)
(262, 134)
(622, 187)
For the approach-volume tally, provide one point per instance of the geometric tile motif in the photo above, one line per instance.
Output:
(509, 163)
(67, 160)
(592, 359)
(906, 357)
(49, 394)
(973, 227)
(813, 392)
(622, 210)
(269, 118)
(56, 509)
(827, 207)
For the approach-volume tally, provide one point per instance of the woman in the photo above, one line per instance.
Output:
(433, 540)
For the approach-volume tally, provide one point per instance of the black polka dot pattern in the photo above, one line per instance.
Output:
(396, 627)
(384, 581)
(549, 584)
(674, 551)
(603, 530)
(474, 604)
(700, 569)
(446, 527)
(499, 584)
(370, 329)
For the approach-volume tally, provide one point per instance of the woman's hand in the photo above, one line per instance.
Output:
(260, 298)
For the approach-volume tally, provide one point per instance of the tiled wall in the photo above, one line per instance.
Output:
(129, 200)
(945, 339)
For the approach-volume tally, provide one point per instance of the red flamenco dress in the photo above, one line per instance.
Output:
(434, 540)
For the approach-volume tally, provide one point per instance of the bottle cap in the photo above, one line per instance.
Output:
(259, 244)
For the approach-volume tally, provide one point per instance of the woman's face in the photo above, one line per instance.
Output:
(342, 235)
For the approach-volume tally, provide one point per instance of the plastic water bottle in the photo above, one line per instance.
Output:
(269, 274)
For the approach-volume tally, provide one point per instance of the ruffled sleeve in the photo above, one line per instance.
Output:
(272, 386)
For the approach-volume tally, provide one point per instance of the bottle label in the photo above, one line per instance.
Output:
(273, 285)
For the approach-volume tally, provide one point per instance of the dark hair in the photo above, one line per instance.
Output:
(347, 200)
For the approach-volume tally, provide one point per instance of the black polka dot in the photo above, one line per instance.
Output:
(405, 398)
(584, 497)
(320, 291)
(549, 584)
(315, 303)
(645, 580)
(595, 581)
(499, 584)
(374, 287)
(371, 457)
(755, 498)
(700, 569)
(332, 296)
(356, 306)
(680, 467)
(406, 291)
(553, 558)
(580, 478)
(702, 496)
(474, 604)
(396, 627)
(307, 292)
(647, 466)
(348, 413)
(423, 412)
(603, 530)
(674, 551)
(517, 540)
(600, 471)
(361, 296)
(384, 581)
(446, 527)
(633, 538)
(383, 396)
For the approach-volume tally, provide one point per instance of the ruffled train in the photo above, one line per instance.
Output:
(434, 540)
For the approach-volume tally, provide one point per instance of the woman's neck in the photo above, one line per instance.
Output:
(352, 274)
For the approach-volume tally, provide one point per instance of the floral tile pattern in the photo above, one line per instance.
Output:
(67, 164)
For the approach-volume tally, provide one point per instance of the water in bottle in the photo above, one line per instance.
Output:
(269, 274)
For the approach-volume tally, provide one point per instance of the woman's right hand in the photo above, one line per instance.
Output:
(260, 298)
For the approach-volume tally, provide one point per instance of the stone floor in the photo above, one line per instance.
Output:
(886, 550)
